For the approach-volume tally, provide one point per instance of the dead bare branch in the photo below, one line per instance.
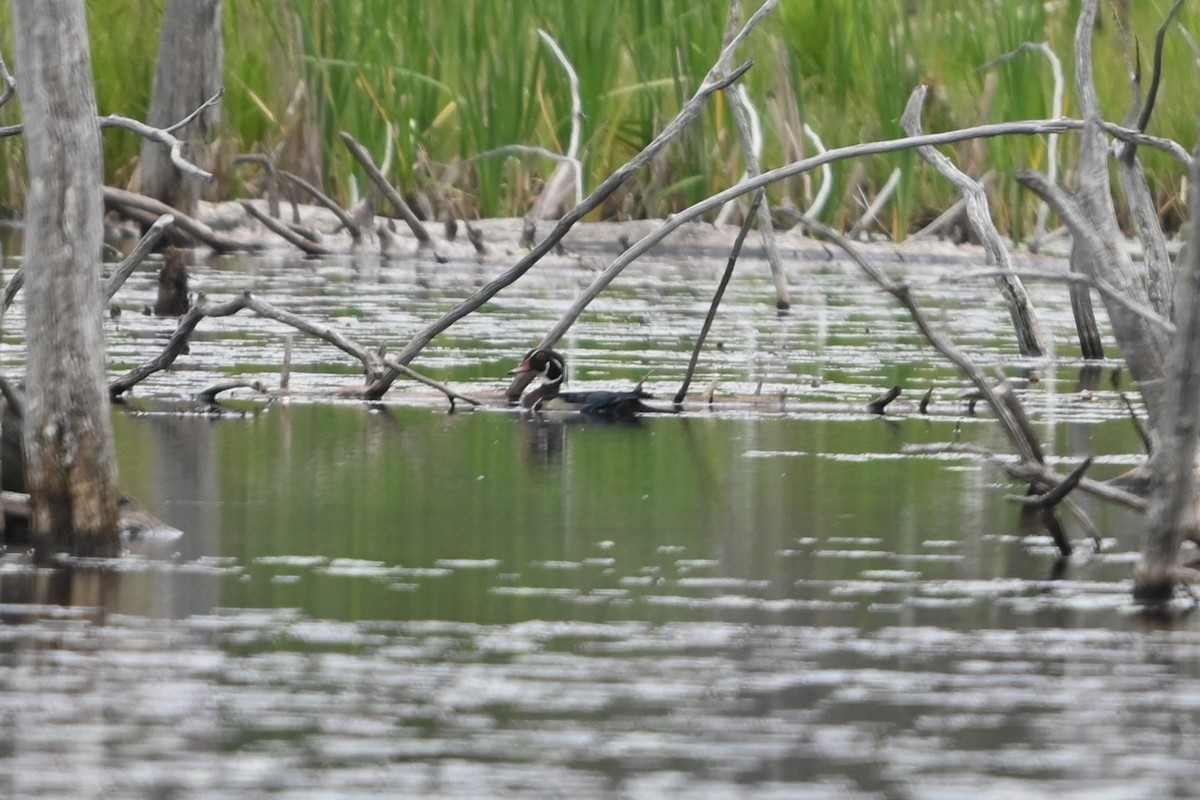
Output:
(287, 234)
(164, 135)
(123, 201)
(716, 301)
(367, 163)
(1056, 495)
(1143, 119)
(325, 200)
(1024, 319)
(1031, 473)
(143, 248)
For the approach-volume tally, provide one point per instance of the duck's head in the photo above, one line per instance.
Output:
(543, 361)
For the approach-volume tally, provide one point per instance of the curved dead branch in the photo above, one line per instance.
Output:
(124, 201)
(209, 396)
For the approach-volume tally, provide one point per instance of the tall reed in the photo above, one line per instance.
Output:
(451, 83)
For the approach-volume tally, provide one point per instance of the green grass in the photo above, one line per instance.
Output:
(450, 84)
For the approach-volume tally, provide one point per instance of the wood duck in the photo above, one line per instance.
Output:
(550, 397)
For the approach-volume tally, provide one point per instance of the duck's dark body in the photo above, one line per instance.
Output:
(550, 397)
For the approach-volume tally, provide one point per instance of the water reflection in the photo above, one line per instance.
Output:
(411, 604)
(26, 592)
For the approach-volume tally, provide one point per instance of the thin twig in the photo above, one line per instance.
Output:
(870, 216)
(1143, 119)
(716, 301)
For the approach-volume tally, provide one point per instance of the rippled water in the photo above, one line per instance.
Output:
(768, 598)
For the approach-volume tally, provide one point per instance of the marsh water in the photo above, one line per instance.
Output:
(765, 597)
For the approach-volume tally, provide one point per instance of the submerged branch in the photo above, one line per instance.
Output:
(1007, 410)
(373, 363)
(1027, 472)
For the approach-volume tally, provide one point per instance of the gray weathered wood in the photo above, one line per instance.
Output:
(1145, 346)
(188, 72)
(70, 466)
(1171, 516)
(1024, 319)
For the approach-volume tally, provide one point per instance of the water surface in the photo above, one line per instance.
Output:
(768, 598)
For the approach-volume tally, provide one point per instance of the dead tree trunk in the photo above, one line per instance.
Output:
(70, 468)
(1172, 516)
(188, 72)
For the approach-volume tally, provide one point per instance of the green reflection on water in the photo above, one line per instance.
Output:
(486, 517)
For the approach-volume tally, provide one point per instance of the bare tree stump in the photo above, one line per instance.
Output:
(172, 300)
